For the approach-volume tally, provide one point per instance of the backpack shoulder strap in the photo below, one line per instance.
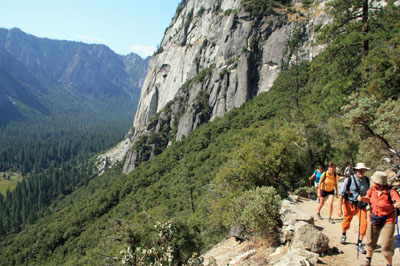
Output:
(388, 194)
(323, 175)
(349, 179)
(355, 183)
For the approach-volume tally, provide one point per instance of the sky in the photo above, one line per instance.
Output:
(123, 25)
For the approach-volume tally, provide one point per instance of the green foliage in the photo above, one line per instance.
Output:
(378, 122)
(54, 158)
(382, 62)
(163, 252)
(228, 12)
(307, 3)
(276, 139)
(261, 8)
(267, 157)
(201, 11)
(257, 210)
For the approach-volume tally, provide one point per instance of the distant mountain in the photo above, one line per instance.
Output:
(51, 77)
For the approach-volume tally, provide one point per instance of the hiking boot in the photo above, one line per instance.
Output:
(319, 216)
(331, 221)
(343, 239)
(367, 262)
(361, 248)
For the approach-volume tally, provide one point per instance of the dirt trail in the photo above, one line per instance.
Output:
(348, 254)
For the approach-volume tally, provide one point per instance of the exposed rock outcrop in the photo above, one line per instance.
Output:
(214, 57)
(304, 247)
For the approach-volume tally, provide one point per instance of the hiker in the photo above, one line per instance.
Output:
(353, 186)
(347, 171)
(328, 187)
(317, 175)
(381, 221)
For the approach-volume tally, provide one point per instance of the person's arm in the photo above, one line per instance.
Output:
(339, 211)
(341, 196)
(395, 197)
(312, 177)
(367, 197)
(336, 182)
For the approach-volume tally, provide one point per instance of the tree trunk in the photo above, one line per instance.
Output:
(364, 42)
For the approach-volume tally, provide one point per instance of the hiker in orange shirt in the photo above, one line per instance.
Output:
(328, 187)
(381, 217)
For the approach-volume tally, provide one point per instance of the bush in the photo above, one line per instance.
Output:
(257, 210)
(164, 252)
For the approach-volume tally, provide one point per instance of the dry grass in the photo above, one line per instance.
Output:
(9, 184)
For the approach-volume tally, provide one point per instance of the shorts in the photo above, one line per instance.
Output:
(327, 193)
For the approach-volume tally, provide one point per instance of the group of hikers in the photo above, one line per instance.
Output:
(355, 195)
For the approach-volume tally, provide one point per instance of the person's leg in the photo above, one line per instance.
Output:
(316, 191)
(388, 259)
(331, 198)
(322, 201)
(368, 259)
(386, 241)
(362, 219)
(363, 226)
(348, 214)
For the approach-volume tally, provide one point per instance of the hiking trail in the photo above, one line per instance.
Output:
(348, 252)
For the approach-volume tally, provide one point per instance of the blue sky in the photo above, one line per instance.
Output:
(124, 25)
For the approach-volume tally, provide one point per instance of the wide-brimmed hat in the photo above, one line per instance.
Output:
(360, 166)
(380, 178)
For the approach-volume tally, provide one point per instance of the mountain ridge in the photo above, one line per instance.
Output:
(84, 73)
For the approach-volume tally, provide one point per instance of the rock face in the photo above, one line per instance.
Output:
(214, 57)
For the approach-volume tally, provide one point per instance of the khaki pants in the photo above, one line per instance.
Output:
(385, 232)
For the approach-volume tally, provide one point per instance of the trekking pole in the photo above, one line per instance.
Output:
(397, 225)
(358, 239)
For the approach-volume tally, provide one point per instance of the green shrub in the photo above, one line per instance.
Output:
(257, 210)
(164, 251)
(261, 8)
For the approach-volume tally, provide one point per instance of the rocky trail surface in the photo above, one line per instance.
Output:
(347, 254)
(305, 242)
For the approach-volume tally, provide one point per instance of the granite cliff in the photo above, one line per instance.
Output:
(215, 56)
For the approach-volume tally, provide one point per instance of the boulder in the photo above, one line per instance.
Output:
(293, 198)
(306, 236)
(294, 215)
(292, 259)
(310, 256)
(238, 233)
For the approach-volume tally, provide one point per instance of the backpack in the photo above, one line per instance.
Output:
(347, 171)
(396, 210)
(347, 192)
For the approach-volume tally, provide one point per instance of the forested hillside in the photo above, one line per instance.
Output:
(341, 107)
(61, 103)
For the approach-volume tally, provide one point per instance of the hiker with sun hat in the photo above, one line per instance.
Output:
(382, 219)
(353, 186)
